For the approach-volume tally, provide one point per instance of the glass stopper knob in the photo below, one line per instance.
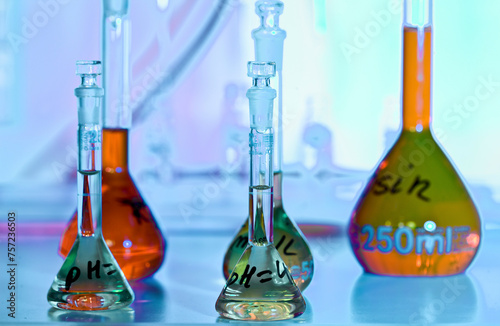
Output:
(261, 69)
(269, 6)
(88, 67)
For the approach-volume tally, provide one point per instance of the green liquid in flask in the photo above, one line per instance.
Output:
(90, 278)
(288, 238)
(260, 286)
(415, 217)
(289, 241)
(248, 296)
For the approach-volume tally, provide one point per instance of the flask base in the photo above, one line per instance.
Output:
(89, 301)
(260, 310)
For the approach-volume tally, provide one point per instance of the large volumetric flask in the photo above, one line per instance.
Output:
(415, 217)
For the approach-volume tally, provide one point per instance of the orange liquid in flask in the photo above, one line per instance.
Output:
(415, 216)
(128, 225)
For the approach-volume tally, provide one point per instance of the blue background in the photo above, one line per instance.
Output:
(342, 73)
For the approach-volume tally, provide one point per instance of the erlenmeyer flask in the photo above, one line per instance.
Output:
(90, 278)
(260, 286)
(289, 240)
(128, 225)
(415, 217)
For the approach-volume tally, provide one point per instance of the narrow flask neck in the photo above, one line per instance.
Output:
(89, 133)
(116, 54)
(89, 158)
(261, 142)
(417, 65)
(89, 203)
(417, 52)
(115, 150)
(261, 187)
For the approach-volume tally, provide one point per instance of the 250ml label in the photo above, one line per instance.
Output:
(405, 240)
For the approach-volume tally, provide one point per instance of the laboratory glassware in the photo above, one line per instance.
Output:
(129, 227)
(415, 217)
(290, 241)
(260, 286)
(90, 278)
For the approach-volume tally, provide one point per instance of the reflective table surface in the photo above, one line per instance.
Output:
(186, 287)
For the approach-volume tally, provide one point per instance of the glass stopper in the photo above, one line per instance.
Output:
(85, 67)
(261, 69)
(264, 7)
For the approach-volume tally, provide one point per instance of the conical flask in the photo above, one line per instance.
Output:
(289, 240)
(415, 217)
(260, 286)
(128, 225)
(90, 278)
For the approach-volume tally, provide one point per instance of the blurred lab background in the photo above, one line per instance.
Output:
(188, 145)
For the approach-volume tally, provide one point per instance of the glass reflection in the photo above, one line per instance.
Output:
(112, 316)
(414, 300)
(151, 301)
